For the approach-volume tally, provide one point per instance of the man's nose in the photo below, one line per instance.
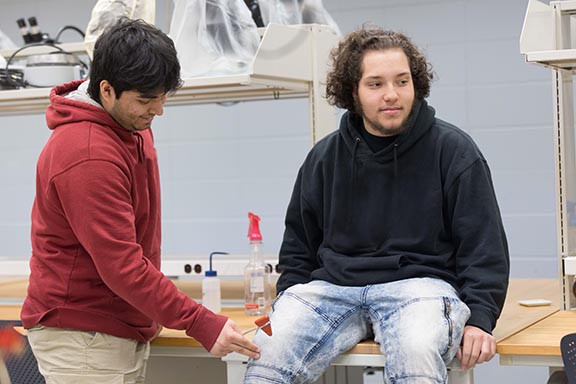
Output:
(157, 107)
(389, 93)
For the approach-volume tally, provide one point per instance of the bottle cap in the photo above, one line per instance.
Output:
(210, 273)
(254, 229)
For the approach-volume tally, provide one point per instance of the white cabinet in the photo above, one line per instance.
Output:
(291, 61)
(549, 38)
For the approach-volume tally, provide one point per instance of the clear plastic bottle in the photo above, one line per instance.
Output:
(211, 292)
(257, 287)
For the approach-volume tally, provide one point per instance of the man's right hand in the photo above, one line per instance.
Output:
(231, 339)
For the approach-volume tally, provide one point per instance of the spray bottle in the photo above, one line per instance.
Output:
(257, 287)
(211, 294)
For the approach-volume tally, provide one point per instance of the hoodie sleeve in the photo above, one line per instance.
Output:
(482, 259)
(96, 199)
(302, 237)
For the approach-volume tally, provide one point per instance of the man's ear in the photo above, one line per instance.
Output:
(107, 93)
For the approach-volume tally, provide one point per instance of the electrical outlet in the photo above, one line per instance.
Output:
(225, 265)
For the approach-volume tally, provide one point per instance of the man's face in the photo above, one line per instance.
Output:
(132, 110)
(385, 93)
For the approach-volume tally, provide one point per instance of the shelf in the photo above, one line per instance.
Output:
(568, 6)
(560, 59)
(285, 66)
(221, 89)
(546, 37)
(238, 88)
(76, 48)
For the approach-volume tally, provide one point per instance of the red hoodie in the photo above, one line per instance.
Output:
(95, 262)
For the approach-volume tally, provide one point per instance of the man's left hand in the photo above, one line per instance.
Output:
(477, 347)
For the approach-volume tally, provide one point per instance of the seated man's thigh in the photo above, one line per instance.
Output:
(420, 333)
(311, 324)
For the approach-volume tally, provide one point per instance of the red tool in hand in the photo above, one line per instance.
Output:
(262, 323)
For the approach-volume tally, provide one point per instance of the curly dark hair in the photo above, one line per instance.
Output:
(346, 72)
(134, 56)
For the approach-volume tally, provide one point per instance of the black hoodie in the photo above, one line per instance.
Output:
(422, 207)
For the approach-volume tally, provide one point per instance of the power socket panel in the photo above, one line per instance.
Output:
(225, 265)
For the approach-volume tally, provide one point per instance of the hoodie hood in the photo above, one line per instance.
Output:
(71, 104)
(419, 122)
(81, 94)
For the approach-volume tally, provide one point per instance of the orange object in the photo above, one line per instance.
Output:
(11, 341)
(264, 324)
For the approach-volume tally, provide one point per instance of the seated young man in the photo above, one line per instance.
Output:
(393, 231)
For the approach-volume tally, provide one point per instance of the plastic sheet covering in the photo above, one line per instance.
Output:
(296, 12)
(106, 12)
(214, 37)
(5, 42)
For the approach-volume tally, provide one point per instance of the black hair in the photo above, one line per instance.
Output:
(133, 55)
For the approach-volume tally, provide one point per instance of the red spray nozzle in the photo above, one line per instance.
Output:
(254, 229)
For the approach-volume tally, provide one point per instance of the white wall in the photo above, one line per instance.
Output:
(218, 162)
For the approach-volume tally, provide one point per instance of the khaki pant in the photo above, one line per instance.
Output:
(68, 356)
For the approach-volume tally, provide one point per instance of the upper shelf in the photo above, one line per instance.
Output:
(546, 36)
(562, 59)
(285, 66)
(40, 49)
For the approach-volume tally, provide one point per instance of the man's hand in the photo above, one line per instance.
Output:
(231, 339)
(477, 347)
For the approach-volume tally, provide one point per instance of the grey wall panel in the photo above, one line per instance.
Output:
(532, 148)
(511, 104)
(525, 191)
(500, 62)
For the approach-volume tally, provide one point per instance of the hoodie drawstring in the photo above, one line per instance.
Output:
(350, 223)
(139, 146)
(356, 142)
(395, 160)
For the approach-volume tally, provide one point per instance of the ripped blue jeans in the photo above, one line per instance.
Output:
(417, 322)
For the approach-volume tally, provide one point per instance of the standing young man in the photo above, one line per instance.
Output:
(392, 232)
(96, 295)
